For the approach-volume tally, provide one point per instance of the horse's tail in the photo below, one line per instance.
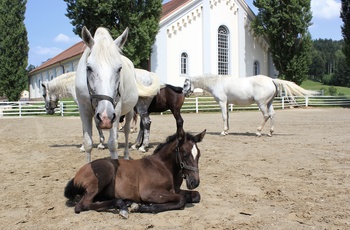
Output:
(151, 90)
(71, 190)
(291, 89)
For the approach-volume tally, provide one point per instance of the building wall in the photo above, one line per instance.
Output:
(35, 80)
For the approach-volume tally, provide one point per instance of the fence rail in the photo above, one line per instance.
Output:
(193, 104)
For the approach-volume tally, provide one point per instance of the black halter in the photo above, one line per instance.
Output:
(183, 165)
(100, 97)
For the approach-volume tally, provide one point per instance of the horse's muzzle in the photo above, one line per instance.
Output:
(192, 182)
(104, 122)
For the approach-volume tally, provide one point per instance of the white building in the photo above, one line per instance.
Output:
(195, 37)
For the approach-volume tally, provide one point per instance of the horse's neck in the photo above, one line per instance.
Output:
(168, 157)
(63, 86)
(201, 82)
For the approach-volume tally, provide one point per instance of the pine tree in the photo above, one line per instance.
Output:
(13, 48)
(345, 28)
(285, 24)
(141, 16)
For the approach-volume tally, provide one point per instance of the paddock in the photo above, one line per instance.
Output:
(297, 179)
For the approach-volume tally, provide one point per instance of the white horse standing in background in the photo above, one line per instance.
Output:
(258, 89)
(106, 88)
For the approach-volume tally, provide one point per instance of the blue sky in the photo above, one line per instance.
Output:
(50, 31)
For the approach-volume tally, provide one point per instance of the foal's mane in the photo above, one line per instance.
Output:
(171, 139)
(61, 83)
(105, 49)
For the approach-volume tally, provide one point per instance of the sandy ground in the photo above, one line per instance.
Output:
(297, 179)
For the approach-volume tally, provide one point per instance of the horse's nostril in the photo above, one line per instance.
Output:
(98, 117)
(114, 118)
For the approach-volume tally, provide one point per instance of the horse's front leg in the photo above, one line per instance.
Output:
(87, 134)
(191, 196)
(160, 201)
(102, 138)
(128, 118)
(225, 117)
(113, 140)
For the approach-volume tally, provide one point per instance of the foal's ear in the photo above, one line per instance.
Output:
(120, 41)
(199, 137)
(87, 37)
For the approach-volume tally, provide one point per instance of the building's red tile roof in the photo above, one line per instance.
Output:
(171, 6)
(73, 51)
(78, 48)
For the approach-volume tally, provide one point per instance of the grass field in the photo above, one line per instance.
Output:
(313, 85)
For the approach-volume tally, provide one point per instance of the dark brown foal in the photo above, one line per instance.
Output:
(153, 182)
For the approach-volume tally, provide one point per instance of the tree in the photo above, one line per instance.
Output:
(345, 28)
(285, 24)
(141, 16)
(316, 69)
(13, 48)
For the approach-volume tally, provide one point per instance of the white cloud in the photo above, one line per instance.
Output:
(50, 51)
(66, 39)
(325, 9)
(62, 38)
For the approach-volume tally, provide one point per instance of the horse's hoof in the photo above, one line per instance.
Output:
(223, 133)
(269, 134)
(142, 149)
(134, 207)
(134, 147)
(258, 134)
(82, 149)
(124, 214)
(100, 146)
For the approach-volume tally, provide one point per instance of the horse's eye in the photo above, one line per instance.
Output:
(88, 69)
(119, 69)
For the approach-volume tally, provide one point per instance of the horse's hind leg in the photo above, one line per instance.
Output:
(263, 109)
(272, 118)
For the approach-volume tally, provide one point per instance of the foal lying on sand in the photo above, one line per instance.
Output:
(153, 182)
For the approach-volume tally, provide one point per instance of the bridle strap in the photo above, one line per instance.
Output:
(182, 164)
(100, 97)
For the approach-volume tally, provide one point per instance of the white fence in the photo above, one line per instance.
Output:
(193, 104)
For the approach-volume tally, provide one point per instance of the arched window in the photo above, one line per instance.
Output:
(184, 63)
(223, 50)
(256, 68)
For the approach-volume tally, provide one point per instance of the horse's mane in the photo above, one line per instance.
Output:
(208, 80)
(171, 139)
(105, 49)
(60, 84)
(174, 88)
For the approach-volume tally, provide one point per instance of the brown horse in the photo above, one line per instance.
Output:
(153, 182)
(169, 97)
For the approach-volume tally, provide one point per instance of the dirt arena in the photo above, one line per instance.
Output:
(297, 179)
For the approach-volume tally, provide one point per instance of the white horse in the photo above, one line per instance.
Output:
(245, 91)
(63, 85)
(106, 88)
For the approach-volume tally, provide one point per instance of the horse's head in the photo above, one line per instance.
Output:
(51, 100)
(188, 88)
(104, 74)
(188, 155)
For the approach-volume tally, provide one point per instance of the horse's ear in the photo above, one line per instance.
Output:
(87, 37)
(43, 84)
(199, 137)
(120, 41)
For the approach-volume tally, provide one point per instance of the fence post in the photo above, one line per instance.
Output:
(282, 102)
(61, 108)
(20, 108)
(306, 101)
(196, 104)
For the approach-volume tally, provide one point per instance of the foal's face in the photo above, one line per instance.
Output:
(190, 157)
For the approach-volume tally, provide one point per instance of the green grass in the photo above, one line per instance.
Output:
(313, 85)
